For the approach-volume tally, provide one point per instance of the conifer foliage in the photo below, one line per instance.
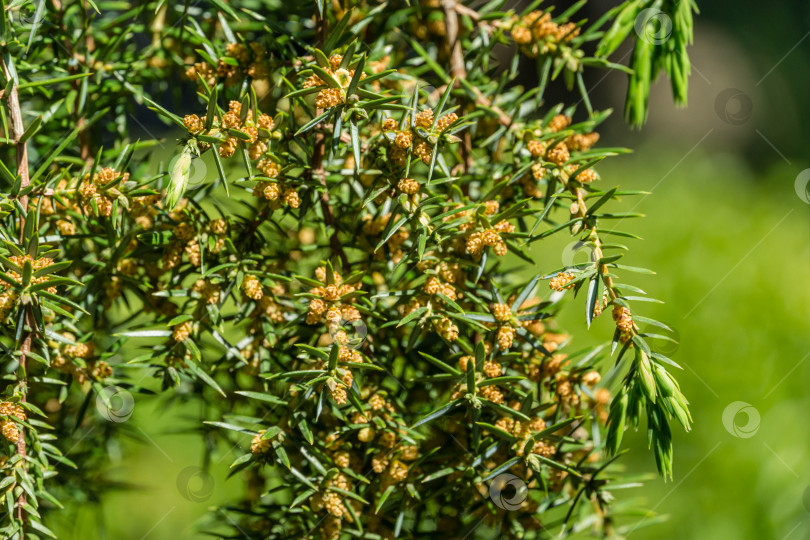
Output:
(320, 221)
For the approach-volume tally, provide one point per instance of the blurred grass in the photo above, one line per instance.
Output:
(732, 252)
(731, 249)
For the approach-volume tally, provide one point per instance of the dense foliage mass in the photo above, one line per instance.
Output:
(336, 259)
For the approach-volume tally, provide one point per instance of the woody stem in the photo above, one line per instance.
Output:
(17, 131)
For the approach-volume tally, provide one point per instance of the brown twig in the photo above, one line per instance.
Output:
(464, 10)
(451, 12)
(17, 131)
(451, 35)
(457, 69)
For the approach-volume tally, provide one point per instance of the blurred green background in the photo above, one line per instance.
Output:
(730, 239)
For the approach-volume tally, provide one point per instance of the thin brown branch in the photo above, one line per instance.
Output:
(17, 131)
(451, 12)
(464, 10)
(451, 36)
(457, 69)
